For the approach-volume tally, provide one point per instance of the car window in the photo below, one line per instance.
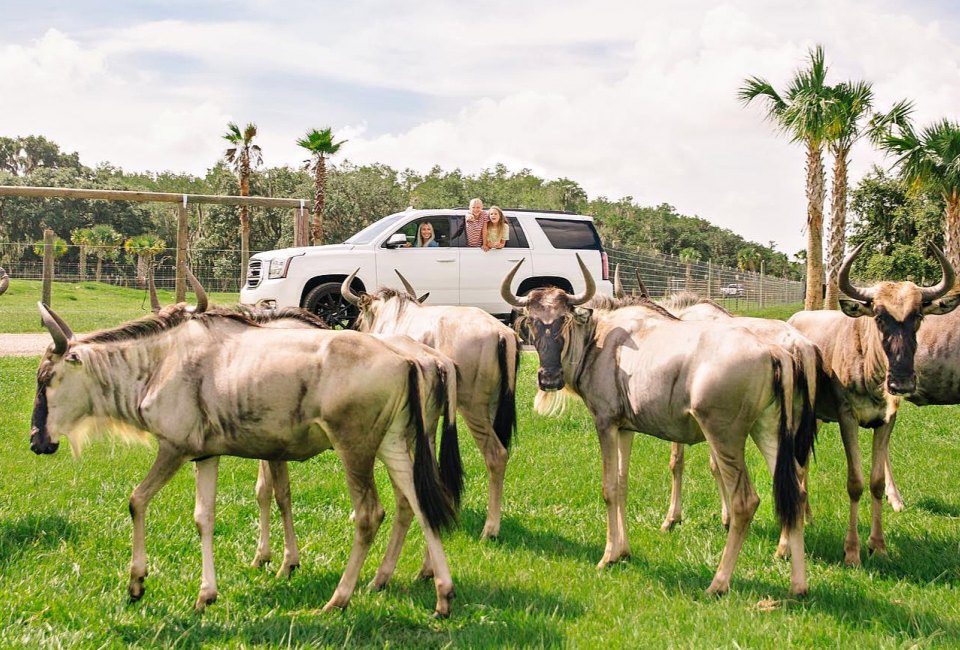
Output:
(567, 233)
(441, 230)
(518, 239)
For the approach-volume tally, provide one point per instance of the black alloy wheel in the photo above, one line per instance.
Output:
(325, 301)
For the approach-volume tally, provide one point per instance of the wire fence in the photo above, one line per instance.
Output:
(219, 272)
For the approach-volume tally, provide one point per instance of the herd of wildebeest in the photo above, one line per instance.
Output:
(279, 385)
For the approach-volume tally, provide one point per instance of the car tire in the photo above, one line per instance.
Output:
(325, 301)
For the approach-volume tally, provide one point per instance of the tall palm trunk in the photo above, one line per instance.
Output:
(815, 192)
(838, 228)
(99, 266)
(951, 228)
(319, 198)
(244, 221)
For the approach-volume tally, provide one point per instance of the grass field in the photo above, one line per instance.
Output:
(65, 547)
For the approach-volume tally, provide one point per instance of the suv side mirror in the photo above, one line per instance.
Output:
(396, 240)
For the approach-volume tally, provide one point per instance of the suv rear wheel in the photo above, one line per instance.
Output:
(325, 301)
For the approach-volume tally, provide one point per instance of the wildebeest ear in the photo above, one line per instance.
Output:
(582, 315)
(943, 305)
(72, 358)
(855, 308)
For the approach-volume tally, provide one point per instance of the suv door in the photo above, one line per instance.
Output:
(482, 272)
(434, 269)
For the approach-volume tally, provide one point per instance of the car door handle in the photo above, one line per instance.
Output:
(448, 260)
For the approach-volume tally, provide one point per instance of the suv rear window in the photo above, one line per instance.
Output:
(566, 233)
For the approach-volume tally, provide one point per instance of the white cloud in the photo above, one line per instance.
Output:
(626, 98)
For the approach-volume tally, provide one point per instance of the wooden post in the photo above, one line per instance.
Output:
(47, 266)
(182, 233)
(301, 226)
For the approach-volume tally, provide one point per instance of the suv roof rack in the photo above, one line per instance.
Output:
(573, 214)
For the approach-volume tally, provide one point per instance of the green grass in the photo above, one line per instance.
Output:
(85, 306)
(65, 547)
(780, 312)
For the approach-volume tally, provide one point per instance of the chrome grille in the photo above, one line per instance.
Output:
(253, 273)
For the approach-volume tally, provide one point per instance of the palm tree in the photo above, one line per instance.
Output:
(81, 237)
(801, 113)
(320, 144)
(688, 256)
(748, 258)
(243, 156)
(930, 160)
(104, 241)
(145, 247)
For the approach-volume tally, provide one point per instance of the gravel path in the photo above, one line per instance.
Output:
(23, 345)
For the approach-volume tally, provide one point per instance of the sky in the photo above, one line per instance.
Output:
(628, 98)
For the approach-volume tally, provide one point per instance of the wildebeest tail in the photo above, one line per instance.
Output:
(505, 420)
(786, 484)
(804, 376)
(435, 503)
(451, 465)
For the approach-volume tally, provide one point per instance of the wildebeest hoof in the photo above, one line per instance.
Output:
(718, 588)
(799, 591)
(425, 574)
(877, 547)
(669, 524)
(286, 570)
(852, 558)
(334, 605)
(782, 552)
(378, 584)
(260, 559)
(203, 601)
(136, 589)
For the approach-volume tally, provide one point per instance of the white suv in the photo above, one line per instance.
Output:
(452, 272)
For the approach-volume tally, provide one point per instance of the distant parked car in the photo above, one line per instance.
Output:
(734, 289)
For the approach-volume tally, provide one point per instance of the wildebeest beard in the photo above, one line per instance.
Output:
(39, 440)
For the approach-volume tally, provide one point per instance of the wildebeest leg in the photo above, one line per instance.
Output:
(743, 504)
(368, 513)
(893, 494)
(625, 443)
(850, 434)
(167, 463)
(204, 514)
(264, 492)
(722, 489)
(674, 516)
(783, 546)
(610, 453)
(495, 457)
(395, 455)
(281, 490)
(397, 535)
(881, 445)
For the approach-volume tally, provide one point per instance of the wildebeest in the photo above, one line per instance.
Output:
(679, 381)
(486, 354)
(4, 280)
(871, 362)
(206, 385)
(689, 307)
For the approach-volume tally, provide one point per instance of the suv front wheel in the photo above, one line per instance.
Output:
(325, 301)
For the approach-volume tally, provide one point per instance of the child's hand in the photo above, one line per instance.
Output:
(485, 248)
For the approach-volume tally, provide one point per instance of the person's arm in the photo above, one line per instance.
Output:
(483, 237)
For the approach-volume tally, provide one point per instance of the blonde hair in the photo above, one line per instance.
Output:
(474, 202)
(501, 225)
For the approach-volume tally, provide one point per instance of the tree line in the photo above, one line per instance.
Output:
(346, 198)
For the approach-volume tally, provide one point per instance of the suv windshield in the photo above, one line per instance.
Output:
(371, 232)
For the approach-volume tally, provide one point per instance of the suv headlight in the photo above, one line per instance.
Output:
(278, 267)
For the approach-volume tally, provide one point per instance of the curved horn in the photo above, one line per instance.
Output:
(930, 294)
(63, 326)
(346, 292)
(60, 338)
(505, 291)
(589, 290)
(154, 300)
(197, 289)
(843, 278)
(406, 285)
(643, 288)
(618, 291)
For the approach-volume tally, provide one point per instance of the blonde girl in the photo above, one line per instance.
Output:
(495, 230)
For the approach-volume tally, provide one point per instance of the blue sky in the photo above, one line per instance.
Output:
(628, 98)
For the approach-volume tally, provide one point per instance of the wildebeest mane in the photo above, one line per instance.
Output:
(264, 316)
(684, 299)
(608, 303)
(166, 320)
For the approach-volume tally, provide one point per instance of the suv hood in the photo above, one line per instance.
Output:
(303, 250)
